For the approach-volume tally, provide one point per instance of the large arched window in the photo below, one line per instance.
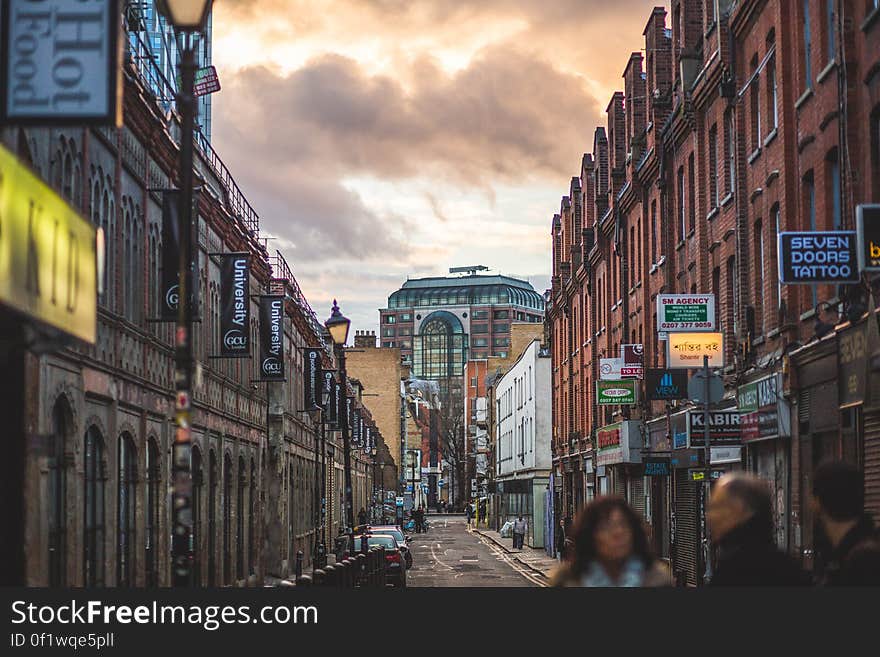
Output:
(439, 351)
(151, 530)
(240, 511)
(61, 427)
(227, 519)
(251, 513)
(212, 518)
(196, 456)
(93, 509)
(126, 506)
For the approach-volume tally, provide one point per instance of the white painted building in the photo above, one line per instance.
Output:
(523, 434)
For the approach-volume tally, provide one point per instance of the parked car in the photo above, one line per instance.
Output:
(402, 540)
(394, 560)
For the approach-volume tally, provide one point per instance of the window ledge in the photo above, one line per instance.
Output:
(770, 137)
(727, 199)
(754, 155)
(712, 214)
(826, 71)
(800, 102)
(871, 19)
(755, 194)
(654, 268)
(710, 28)
(758, 341)
(808, 315)
(661, 261)
(691, 232)
(679, 246)
(774, 333)
(714, 245)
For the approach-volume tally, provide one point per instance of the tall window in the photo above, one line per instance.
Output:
(213, 473)
(227, 519)
(61, 421)
(151, 530)
(808, 45)
(682, 226)
(729, 153)
(252, 511)
(755, 107)
(731, 295)
(196, 457)
(772, 105)
(126, 505)
(809, 191)
(654, 235)
(832, 168)
(692, 194)
(93, 509)
(759, 278)
(713, 166)
(830, 37)
(778, 220)
(240, 513)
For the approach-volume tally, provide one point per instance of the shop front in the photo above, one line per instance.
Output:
(618, 459)
(765, 423)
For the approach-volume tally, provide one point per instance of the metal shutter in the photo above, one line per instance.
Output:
(687, 526)
(637, 495)
(620, 481)
(871, 463)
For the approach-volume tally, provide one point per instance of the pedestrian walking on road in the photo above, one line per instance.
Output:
(520, 527)
(419, 517)
(740, 520)
(469, 512)
(853, 556)
(362, 517)
(611, 549)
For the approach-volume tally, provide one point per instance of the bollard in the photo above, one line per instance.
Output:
(346, 573)
(304, 580)
(298, 569)
(361, 569)
(383, 569)
(327, 576)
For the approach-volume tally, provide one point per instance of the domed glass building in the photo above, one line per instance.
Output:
(438, 323)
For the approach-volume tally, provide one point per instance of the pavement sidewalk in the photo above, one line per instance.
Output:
(533, 558)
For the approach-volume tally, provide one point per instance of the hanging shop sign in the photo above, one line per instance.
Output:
(48, 254)
(61, 62)
(665, 384)
(272, 337)
(724, 428)
(818, 257)
(868, 231)
(685, 312)
(169, 289)
(764, 412)
(686, 350)
(856, 344)
(619, 443)
(621, 391)
(235, 305)
(313, 383)
(633, 366)
(609, 368)
(206, 81)
(656, 467)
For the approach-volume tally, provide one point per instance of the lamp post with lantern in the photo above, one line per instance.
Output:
(337, 324)
(188, 18)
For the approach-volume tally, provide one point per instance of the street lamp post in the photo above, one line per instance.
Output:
(188, 18)
(338, 326)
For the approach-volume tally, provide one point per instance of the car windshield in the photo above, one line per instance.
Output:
(384, 541)
(396, 533)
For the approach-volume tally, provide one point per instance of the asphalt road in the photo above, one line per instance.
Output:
(449, 555)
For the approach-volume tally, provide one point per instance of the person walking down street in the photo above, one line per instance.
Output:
(853, 556)
(420, 520)
(740, 518)
(469, 512)
(520, 527)
(362, 517)
(611, 550)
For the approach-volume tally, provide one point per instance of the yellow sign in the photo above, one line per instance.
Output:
(48, 268)
(688, 349)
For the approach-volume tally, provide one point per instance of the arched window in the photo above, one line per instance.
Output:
(196, 457)
(93, 509)
(61, 426)
(227, 519)
(212, 518)
(151, 530)
(239, 534)
(126, 505)
(251, 514)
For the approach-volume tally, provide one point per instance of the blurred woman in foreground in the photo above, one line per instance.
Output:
(611, 549)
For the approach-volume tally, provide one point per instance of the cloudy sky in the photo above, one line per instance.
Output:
(380, 139)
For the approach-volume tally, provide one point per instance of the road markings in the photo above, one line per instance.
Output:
(506, 559)
(437, 559)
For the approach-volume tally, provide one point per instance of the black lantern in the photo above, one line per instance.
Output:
(186, 15)
(338, 325)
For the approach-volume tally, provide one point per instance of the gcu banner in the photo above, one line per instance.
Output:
(356, 427)
(312, 383)
(272, 338)
(235, 307)
(170, 279)
(329, 386)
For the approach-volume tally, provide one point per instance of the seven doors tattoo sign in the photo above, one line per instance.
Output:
(818, 257)
(272, 338)
(235, 306)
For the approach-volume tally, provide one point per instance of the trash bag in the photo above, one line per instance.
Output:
(507, 529)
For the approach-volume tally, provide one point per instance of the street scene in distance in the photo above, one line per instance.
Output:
(469, 298)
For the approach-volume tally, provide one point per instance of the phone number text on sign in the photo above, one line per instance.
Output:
(685, 312)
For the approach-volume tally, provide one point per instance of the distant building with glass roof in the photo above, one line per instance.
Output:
(438, 323)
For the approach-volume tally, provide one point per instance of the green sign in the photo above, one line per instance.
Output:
(686, 314)
(621, 391)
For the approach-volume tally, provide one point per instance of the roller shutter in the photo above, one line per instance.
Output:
(687, 526)
(871, 463)
(637, 495)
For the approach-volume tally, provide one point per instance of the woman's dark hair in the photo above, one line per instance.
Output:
(591, 516)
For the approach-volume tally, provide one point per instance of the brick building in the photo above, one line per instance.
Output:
(742, 120)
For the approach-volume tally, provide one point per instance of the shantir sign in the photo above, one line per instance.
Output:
(685, 312)
(818, 257)
(62, 61)
(686, 350)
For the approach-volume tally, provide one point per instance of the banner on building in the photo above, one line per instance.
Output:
(665, 384)
(685, 312)
(328, 410)
(633, 366)
(334, 415)
(62, 62)
(313, 383)
(818, 257)
(272, 337)
(235, 305)
(868, 230)
(622, 391)
(355, 425)
(169, 286)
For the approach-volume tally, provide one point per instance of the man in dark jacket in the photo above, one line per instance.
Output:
(853, 554)
(741, 527)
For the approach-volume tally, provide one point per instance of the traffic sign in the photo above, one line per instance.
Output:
(697, 387)
(398, 501)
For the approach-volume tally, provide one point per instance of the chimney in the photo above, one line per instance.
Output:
(365, 339)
